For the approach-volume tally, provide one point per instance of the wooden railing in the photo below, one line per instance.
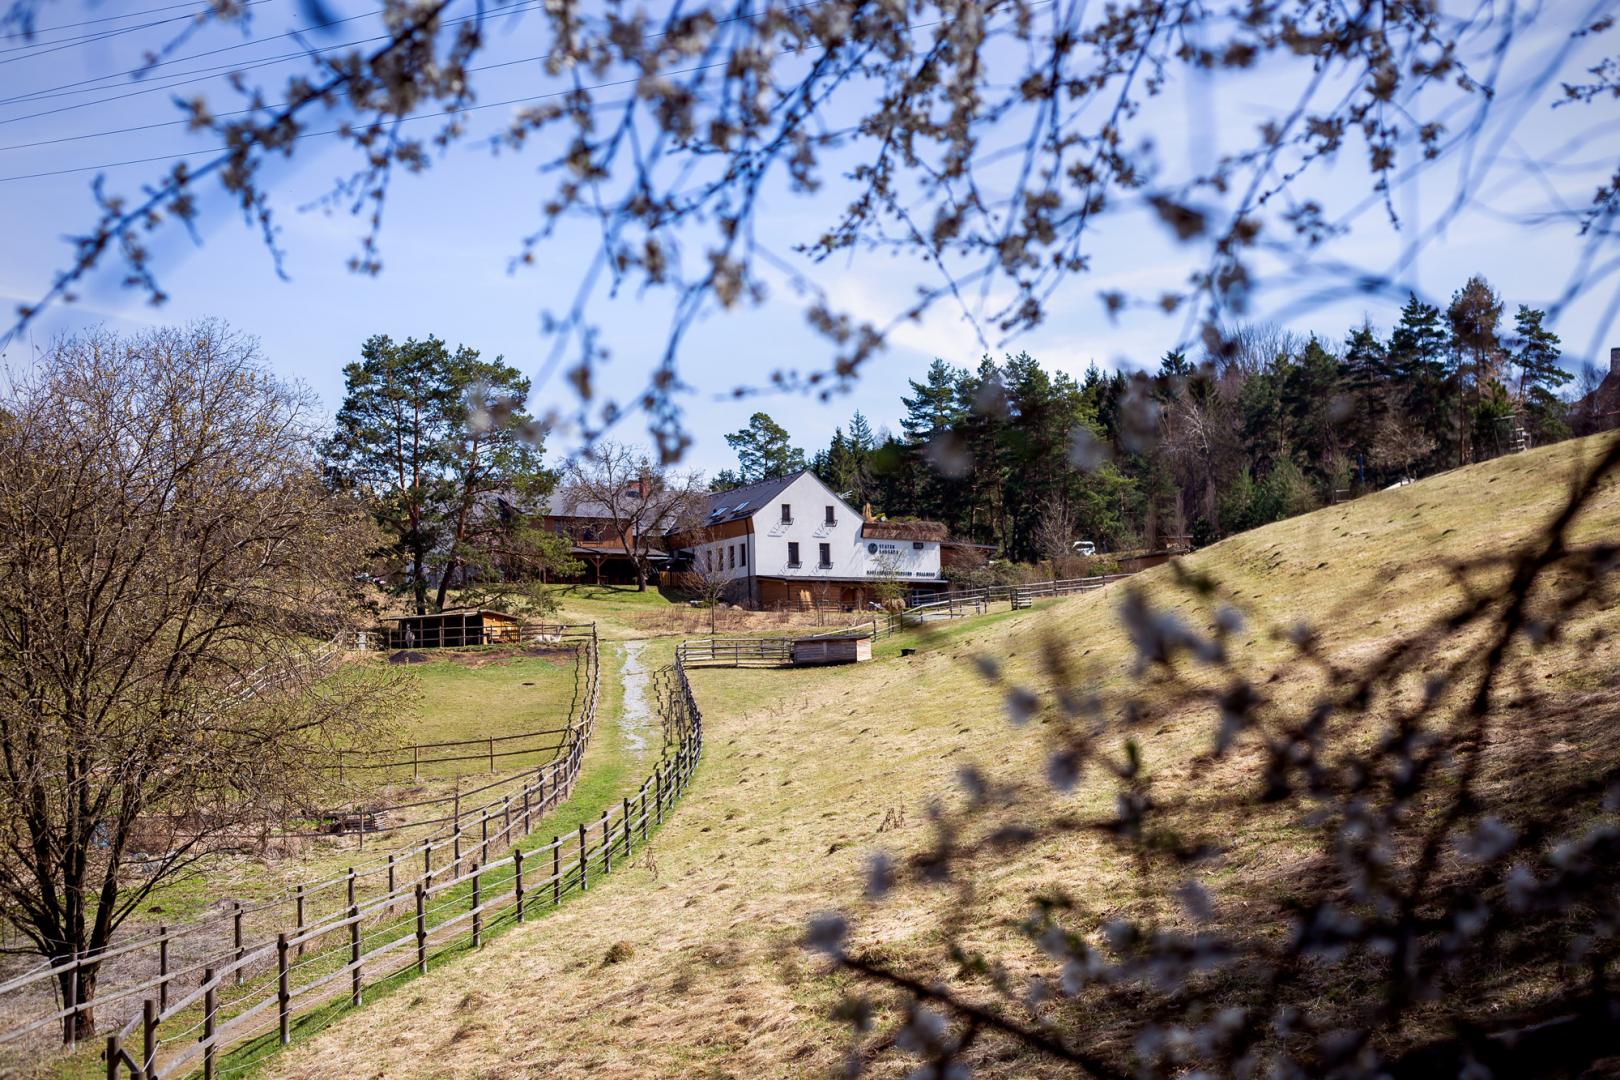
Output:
(467, 825)
(461, 637)
(976, 601)
(260, 994)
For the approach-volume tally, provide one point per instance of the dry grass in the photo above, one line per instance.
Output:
(807, 772)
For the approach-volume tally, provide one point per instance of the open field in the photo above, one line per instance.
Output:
(808, 772)
(621, 612)
(459, 695)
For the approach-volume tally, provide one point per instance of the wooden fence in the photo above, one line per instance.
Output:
(430, 916)
(402, 933)
(977, 601)
(463, 836)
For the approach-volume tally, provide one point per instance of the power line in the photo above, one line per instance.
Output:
(176, 123)
(45, 48)
(512, 8)
(377, 126)
(142, 70)
(125, 15)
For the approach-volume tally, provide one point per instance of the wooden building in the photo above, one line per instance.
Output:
(838, 649)
(792, 542)
(453, 628)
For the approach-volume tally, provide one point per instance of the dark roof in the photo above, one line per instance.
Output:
(565, 502)
(746, 501)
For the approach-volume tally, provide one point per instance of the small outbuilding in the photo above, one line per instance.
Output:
(835, 649)
(453, 628)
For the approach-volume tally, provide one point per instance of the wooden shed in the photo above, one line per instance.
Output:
(453, 629)
(837, 649)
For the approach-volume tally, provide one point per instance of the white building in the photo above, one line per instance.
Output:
(792, 541)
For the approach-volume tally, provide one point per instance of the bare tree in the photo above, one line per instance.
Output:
(1054, 529)
(641, 500)
(168, 559)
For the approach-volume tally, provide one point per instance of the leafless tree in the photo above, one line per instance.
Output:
(168, 560)
(1054, 530)
(986, 142)
(640, 499)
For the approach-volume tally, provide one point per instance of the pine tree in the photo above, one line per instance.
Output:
(935, 404)
(763, 450)
(1537, 354)
(1427, 390)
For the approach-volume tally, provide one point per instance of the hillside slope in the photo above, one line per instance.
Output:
(808, 772)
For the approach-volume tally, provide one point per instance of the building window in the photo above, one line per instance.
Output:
(826, 555)
(832, 516)
(708, 559)
(731, 553)
(742, 554)
(793, 553)
(787, 513)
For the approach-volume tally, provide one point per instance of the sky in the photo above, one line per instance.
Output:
(451, 233)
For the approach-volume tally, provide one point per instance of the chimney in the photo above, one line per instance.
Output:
(1614, 361)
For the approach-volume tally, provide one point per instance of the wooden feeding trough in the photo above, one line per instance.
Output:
(833, 649)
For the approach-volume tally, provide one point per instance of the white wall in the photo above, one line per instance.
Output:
(809, 499)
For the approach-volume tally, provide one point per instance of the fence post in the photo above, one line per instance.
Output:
(390, 882)
(427, 861)
(351, 886)
(627, 852)
(283, 995)
(455, 852)
(658, 791)
(354, 953)
(607, 845)
(506, 812)
(163, 966)
(210, 1003)
(113, 1050)
(583, 872)
(421, 929)
(528, 825)
(483, 829)
(478, 916)
(517, 878)
(70, 1022)
(643, 813)
(556, 870)
(492, 754)
(300, 898)
(416, 762)
(236, 938)
(149, 1026)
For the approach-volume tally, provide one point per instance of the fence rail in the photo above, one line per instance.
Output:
(225, 944)
(404, 931)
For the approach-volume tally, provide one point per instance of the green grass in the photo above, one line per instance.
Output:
(808, 771)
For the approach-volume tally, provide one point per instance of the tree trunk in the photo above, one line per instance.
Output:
(419, 580)
(444, 581)
(84, 1022)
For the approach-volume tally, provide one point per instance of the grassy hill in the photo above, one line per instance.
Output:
(687, 964)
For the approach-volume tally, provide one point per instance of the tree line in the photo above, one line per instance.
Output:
(1266, 425)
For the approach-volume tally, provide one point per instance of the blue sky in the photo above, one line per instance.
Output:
(451, 232)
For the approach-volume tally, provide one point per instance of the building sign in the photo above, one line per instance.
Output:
(891, 559)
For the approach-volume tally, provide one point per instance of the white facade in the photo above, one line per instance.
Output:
(804, 532)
